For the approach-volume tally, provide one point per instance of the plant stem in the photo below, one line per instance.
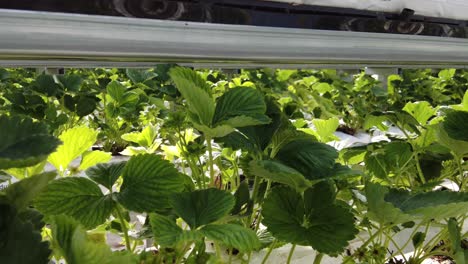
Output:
(254, 194)
(124, 227)
(210, 161)
(270, 249)
(460, 170)
(418, 167)
(291, 252)
(318, 258)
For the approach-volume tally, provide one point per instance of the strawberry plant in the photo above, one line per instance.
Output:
(175, 165)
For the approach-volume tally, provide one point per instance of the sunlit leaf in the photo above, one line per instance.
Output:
(91, 158)
(76, 141)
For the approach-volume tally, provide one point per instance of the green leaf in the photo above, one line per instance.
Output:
(243, 203)
(325, 129)
(24, 143)
(106, 174)
(196, 92)
(145, 138)
(21, 241)
(430, 205)
(21, 173)
(285, 135)
(202, 207)
(233, 236)
(77, 197)
(454, 234)
(228, 126)
(4, 74)
(240, 101)
(381, 211)
(280, 173)
(91, 158)
(140, 76)
(46, 85)
(76, 141)
(255, 138)
(456, 125)
(21, 193)
(116, 91)
(418, 239)
(421, 111)
(168, 234)
(375, 121)
(148, 181)
(313, 159)
(458, 147)
(77, 248)
(325, 226)
(447, 74)
(71, 82)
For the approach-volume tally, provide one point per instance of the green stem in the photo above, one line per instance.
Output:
(318, 258)
(418, 167)
(460, 170)
(124, 227)
(270, 249)
(134, 245)
(210, 161)
(291, 252)
(230, 256)
(257, 226)
(416, 156)
(400, 250)
(254, 194)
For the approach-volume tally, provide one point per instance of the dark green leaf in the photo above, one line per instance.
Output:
(106, 173)
(21, 193)
(46, 84)
(24, 143)
(21, 242)
(148, 181)
(456, 125)
(140, 76)
(240, 101)
(325, 226)
(71, 82)
(168, 234)
(418, 239)
(243, 203)
(313, 159)
(202, 207)
(277, 172)
(77, 197)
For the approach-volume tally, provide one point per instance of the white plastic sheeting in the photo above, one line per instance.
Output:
(454, 9)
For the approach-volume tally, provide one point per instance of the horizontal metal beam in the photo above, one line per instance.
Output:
(68, 40)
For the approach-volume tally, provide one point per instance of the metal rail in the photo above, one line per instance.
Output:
(68, 40)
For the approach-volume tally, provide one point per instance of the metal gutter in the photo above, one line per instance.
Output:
(29, 38)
